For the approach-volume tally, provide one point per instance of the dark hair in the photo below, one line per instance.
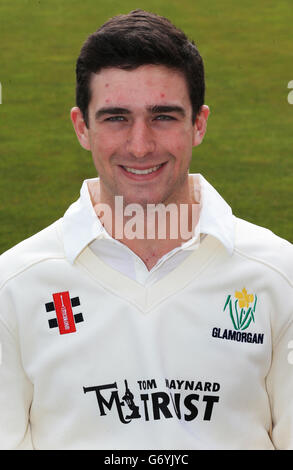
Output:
(139, 38)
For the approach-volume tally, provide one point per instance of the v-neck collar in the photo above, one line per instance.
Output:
(145, 298)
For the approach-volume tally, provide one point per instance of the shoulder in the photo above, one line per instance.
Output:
(44, 245)
(263, 246)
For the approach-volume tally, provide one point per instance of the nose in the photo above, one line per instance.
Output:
(140, 140)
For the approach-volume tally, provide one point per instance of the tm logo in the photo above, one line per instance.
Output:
(241, 309)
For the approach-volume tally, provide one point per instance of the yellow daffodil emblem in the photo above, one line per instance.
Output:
(247, 303)
(244, 298)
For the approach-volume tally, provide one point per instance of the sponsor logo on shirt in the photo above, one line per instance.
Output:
(65, 319)
(185, 400)
(241, 309)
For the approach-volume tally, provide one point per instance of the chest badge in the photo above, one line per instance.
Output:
(241, 309)
(65, 319)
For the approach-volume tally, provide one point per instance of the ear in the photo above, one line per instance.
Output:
(200, 125)
(80, 127)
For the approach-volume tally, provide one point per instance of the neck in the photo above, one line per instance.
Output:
(150, 231)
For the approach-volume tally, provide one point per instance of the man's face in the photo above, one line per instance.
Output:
(141, 134)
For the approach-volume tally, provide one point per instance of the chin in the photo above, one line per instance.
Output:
(143, 200)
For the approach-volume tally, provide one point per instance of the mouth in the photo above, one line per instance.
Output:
(142, 174)
(146, 171)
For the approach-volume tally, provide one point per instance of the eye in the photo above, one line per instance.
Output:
(115, 118)
(165, 117)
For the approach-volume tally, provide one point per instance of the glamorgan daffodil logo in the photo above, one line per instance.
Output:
(241, 309)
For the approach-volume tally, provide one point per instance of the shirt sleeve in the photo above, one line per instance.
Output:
(15, 394)
(280, 390)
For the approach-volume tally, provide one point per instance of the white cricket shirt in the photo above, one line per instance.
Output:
(195, 357)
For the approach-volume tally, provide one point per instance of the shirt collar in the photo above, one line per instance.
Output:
(81, 225)
(216, 217)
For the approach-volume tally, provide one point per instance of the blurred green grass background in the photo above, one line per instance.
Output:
(247, 151)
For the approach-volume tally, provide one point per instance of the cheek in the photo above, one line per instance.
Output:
(102, 147)
(179, 143)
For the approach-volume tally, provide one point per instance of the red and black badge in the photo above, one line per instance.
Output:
(65, 318)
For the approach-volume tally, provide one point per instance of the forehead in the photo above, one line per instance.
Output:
(145, 85)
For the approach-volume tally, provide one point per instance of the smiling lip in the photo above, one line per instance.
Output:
(142, 173)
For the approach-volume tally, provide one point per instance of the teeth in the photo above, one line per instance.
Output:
(142, 172)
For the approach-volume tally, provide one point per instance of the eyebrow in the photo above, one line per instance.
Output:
(154, 109)
(166, 109)
(111, 110)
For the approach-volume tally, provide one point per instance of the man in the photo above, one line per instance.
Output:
(148, 317)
